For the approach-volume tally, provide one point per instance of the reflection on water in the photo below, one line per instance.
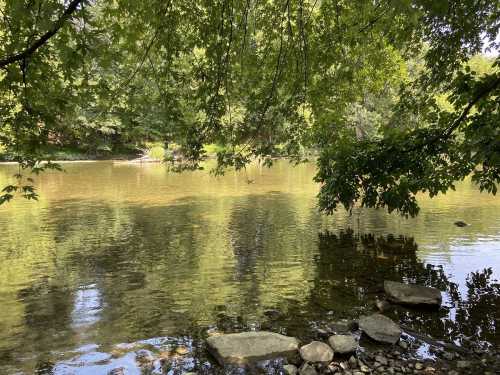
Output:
(116, 254)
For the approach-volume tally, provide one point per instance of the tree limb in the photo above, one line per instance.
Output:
(44, 38)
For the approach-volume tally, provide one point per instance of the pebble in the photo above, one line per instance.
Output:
(365, 369)
(382, 360)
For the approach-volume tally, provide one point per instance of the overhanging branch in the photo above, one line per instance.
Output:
(44, 38)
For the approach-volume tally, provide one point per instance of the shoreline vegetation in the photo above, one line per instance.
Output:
(153, 152)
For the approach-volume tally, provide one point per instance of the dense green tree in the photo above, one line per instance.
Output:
(386, 91)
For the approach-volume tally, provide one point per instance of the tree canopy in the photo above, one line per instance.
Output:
(389, 93)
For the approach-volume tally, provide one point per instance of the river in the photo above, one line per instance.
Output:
(115, 254)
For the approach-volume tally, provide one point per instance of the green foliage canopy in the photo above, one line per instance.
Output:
(359, 81)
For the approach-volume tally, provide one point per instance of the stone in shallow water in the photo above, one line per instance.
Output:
(307, 369)
(246, 347)
(343, 344)
(380, 328)
(290, 370)
(412, 294)
(316, 351)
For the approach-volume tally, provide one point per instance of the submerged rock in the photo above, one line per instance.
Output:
(316, 351)
(412, 294)
(245, 347)
(380, 328)
(343, 344)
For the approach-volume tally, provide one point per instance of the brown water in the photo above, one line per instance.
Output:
(119, 256)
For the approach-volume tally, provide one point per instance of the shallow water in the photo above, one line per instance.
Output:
(119, 256)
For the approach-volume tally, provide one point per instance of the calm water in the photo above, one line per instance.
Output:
(118, 256)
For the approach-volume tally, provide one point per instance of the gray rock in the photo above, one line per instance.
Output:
(117, 371)
(290, 370)
(316, 351)
(245, 347)
(307, 369)
(412, 294)
(380, 328)
(343, 344)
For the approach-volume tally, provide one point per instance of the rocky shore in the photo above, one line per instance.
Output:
(371, 344)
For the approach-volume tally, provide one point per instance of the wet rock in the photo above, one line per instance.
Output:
(240, 348)
(144, 357)
(290, 370)
(307, 369)
(460, 223)
(117, 371)
(316, 351)
(419, 366)
(343, 344)
(380, 328)
(412, 294)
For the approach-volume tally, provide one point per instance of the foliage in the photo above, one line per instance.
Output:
(389, 93)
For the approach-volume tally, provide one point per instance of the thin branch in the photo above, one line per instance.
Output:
(44, 38)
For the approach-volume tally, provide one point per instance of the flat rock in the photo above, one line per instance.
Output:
(412, 294)
(343, 344)
(380, 328)
(246, 347)
(316, 351)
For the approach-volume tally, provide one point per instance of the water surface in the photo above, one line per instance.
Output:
(115, 254)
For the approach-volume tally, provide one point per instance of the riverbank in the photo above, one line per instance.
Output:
(343, 349)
